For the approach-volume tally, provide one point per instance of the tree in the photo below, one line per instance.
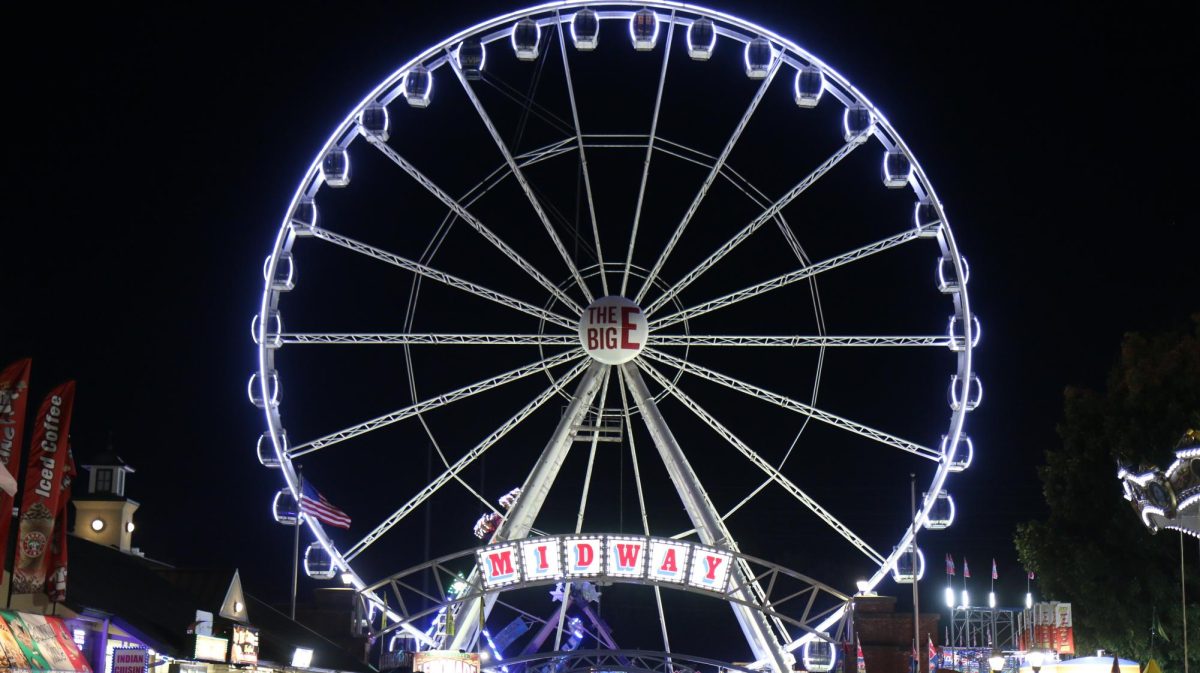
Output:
(1092, 550)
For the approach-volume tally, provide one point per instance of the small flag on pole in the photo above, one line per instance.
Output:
(966, 569)
(932, 651)
(949, 565)
(315, 505)
(995, 575)
(862, 662)
(1032, 576)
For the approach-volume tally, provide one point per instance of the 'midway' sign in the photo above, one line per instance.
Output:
(604, 556)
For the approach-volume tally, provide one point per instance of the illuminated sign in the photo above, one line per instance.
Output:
(445, 661)
(245, 645)
(613, 330)
(553, 558)
(541, 558)
(302, 657)
(210, 648)
(129, 660)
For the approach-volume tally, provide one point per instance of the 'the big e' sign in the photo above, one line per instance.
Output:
(613, 330)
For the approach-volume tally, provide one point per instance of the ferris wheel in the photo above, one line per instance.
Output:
(633, 254)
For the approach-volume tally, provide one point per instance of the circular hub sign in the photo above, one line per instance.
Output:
(613, 330)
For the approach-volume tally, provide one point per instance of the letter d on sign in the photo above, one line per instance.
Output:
(584, 555)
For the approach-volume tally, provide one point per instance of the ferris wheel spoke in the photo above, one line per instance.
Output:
(792, 405)
(525, 186)
(587, 180)
(708, 181)
(587, 479)
(471, 456)
(535, 108)
(809, 180)
(637, 213)
(431, 404)
(655, 339)
(790, 277)
(441, 277)
(520, 518)
(409, 338)
(759, 462)
(755, 624)
(474, 222)
(637, 479)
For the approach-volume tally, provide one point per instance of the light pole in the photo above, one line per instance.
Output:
(1034, 659)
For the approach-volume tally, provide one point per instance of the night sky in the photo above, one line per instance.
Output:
(153, 153)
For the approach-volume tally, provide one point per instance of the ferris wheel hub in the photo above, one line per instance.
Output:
(613, 330)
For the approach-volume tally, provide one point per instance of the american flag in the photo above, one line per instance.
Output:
(315, 505)
(949, 565)
(966, 568)
(995, 575)
(861, 666)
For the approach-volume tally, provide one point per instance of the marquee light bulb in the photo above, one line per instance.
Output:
(97, 525)
(949, 597)
(966, 598)
(991, 599)
(1028, 600)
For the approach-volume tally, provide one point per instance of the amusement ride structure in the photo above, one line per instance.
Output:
(606, 272)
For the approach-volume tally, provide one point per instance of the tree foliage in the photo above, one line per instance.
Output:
(1092, 550)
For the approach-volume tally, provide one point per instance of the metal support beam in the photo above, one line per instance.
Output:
(537, 485)
(707, 521)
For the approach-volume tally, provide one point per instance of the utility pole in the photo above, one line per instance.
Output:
(916, 577)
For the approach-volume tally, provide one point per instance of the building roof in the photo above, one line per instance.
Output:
(105, 581)
(157, 604)
(106, 458)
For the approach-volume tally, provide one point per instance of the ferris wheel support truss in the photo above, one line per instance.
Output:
(708, 523)
(474, 222)
(519, 175)
(625, 661)
(430, 404)
(788, 596)
(788, 341)
(533, 493)
(765, 466)
(793, 405)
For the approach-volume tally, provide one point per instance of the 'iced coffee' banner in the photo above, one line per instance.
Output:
(14, 398)
(56, 587)
(43, 488)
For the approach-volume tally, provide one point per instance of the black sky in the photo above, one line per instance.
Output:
(153, 150)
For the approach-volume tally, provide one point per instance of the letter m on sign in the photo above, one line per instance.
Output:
(498, 565)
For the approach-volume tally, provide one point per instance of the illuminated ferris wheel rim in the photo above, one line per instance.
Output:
(680, 14)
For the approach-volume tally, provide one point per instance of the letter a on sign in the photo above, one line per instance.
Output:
(499, 564)
(668, 561)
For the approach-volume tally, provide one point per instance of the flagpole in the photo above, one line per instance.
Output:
(296, 542)
(916, 575)
(1183, 602)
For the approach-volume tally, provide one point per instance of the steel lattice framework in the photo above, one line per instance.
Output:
(791, 597)
(611, 389)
